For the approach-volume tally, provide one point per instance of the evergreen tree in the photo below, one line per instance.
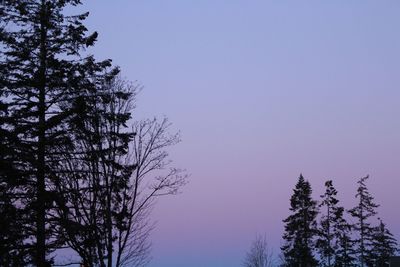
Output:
(43, 74)
(345, 253)
(300, 227)
(334, 241)
(332, 229)
(326, 232)
(12, 250)
(363, 212)
(384, 245)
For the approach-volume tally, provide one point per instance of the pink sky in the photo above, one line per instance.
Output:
(261, 92)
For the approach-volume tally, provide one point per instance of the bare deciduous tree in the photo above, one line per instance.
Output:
(108, 192)
(260, 255)
(151, 178)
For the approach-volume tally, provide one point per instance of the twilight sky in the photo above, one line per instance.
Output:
(261, 92)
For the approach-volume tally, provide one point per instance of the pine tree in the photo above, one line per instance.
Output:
(384, 245)
(42, 74)
(326, 234)
(12, 250)
(300, 227)
(334, 241)
(345, 253)
(331, 227)
(363, 212)
(9, 238)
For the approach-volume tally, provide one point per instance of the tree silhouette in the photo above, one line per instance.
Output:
(345, 253)
(363, 212)
(384, 245)
(92, 184)
(110, 185)
(42, 73)
(334, 236)
(13, 251)
(259, 255)
(300, 227)
(326, 237)
(152, 178)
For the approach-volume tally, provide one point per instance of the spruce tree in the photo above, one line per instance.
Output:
(326, 232)
(333, 241)
(384, 245)
(363, 212)
(43, 72)
(12, 250)
(300, 227)
(345, 253)
(9, 238)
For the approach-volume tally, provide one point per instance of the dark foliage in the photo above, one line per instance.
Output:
(384, 245)
(43, 76)
(363, 212)
(334, 241)
(300, 227)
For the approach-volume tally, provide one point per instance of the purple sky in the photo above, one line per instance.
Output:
(261, 91)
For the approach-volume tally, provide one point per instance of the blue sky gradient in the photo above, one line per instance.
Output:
(261, 92)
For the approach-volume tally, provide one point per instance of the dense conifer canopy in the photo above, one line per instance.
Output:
(44, 78)
(300, 227)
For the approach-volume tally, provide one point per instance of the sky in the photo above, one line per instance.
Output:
(261, 91)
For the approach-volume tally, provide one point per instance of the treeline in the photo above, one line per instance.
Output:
(324, 233)
(77, 173)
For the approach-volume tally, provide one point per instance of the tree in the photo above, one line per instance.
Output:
(152, 178)
(384, 245)
(334, 236)
(345, 253)
(300, 227)
(42, 73)
(12, 249)
(326, 236)
(363, 212)
(94, 179)
(259, 255)
(109, 189)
